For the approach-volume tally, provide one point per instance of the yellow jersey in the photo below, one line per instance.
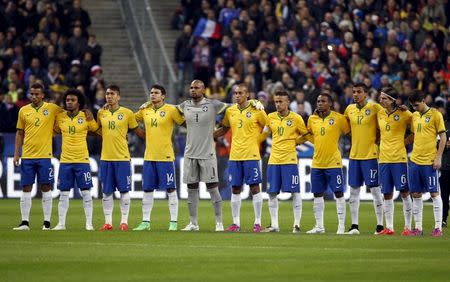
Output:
(426, 127)
(326, 132)
(114, 127)
(246, 126)
(363, 123)
(74, 131)
(284, 132)
(37, 124)
(392, 135)
(158, 131)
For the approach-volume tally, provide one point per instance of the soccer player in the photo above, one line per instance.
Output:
(427, 124)
(326, 127)
(363, 166)
(115, 168)
(34, 137)
(159, 169)
(392, 123)
(74, 167)
(246, 124)
(282, 171)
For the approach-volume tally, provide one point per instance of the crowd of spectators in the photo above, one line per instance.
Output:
(48, 42)
(303, 46)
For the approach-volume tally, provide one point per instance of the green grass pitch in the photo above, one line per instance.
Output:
(160, 255)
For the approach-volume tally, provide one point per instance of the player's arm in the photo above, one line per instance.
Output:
(303, 138)
(20, 134)
(139, 132)
(437, 163)
(409, 139)
(221, 131)
(264, 134)
(98, 132)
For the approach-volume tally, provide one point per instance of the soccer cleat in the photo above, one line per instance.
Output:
(46, 225)
(173, 226)
(316, 230)
(257, 228)
(341, 230)
(387, 231)
(145, 225)
(437, 232)
(354, 230)
(296, 229)
(406, 232)
(106, 227)
(191, 227)
(444, 224)
(89, 227)
(219, 227)
(416, 232)
(59, 227)
(378, 229)
(123, 227)
(233, 228)
(24, 225)
(271, 229)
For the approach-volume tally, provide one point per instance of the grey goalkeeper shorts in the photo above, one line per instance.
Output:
(198, 170)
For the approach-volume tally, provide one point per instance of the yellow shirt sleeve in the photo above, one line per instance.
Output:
(138, 116)
(132, 123)
(177, 117)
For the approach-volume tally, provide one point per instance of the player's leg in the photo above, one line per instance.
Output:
(84, 182)
(444, 181)
(370, 174)
(399, 174)
(336, 182)
(123, 181)
(208, 174)
(66, 181)
(431, 186)
(416, 186)
(235, 170)
(107, 178)
(274, 187)
(149, 182)
(191, 177)
(387, 184)
(166, 181)
(290, 183)
(252, 175)
(355, 181)
(45, 177)
(319, 184)
(28, 173)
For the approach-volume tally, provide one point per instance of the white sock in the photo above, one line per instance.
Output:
(340, 209)
(437, 210)
(173, 205)
(236, 208)
(318, 207)
(216, 200)
(377, 204)
(147, 205)
(108, 206)
(63, 206)
(273, 210)
(389, 213)
(47, 202)
(407, 211)
(87, 205)
(25, 206)
(297, 208)
(353, 202)
(124, 206)
(257, 207)
(417, 212)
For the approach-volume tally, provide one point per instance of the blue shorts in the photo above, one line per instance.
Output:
(115, 175)
(29, 168)
(321, 179)
(393, 174)
(422, 178)
(71, 173)
(158, 175)
(247, 171)
(283, 177)
(363, 171)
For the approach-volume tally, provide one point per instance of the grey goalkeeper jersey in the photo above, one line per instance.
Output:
(200, 122)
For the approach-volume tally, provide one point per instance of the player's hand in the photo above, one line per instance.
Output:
(16, 160)
(106, 106)
(448, 144)
(257, 104)
(437, 163)
(146, 105)
(403, 108)
(89, 115)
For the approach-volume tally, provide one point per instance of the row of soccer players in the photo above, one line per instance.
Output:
(245, 119)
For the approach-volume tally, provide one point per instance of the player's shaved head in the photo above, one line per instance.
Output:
(198, 82)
